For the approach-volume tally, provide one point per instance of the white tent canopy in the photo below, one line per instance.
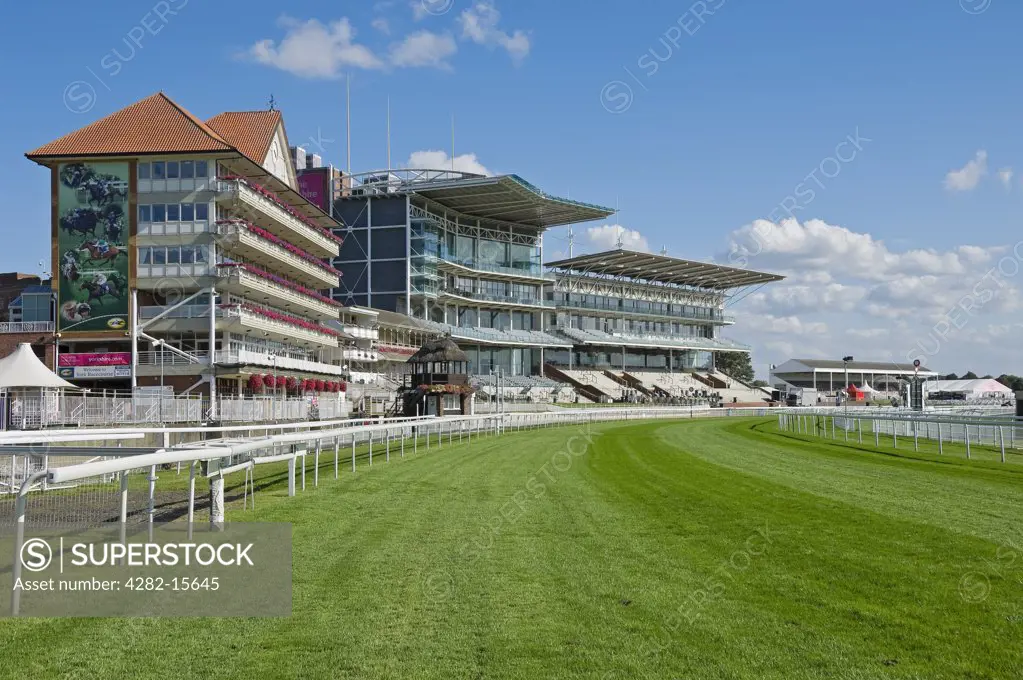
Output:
(971, 389)
(22, 368)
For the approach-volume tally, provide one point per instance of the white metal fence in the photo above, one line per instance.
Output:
(33, 411)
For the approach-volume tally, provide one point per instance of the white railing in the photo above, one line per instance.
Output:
(355, 354)
(361, 332)
(282, 361)
(32, 412)
(316, 276)
(300, 232)
(26, 327)
(251, 284)
(280, 327)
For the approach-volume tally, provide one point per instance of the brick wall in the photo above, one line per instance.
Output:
(42, 344)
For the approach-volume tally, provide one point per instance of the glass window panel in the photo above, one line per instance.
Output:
(202, 212)
(200, 254)
(173, 255)
(145, 255)
(173, 171)
(201, 169)
(187, 254)
(173, 212)
(144, 170)
(187, 212)
(145, 213)
(159, 256)
(159, 213)
(187, 169)
(159, 170)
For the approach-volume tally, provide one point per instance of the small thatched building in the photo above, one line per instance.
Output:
(439, 380)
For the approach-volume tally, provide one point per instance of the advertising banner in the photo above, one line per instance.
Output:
(108, 359)
(315, 186)
(91, 230)
(72, 372)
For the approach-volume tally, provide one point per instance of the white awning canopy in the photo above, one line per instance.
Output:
(22, 368)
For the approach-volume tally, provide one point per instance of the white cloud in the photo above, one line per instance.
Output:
(606, 237)
(847, 292)
(784, 325)
(311, 49)
(381, 25)
(440, 160)
(480, 25)
(967, 177)
(424, 48)
(1005, 177)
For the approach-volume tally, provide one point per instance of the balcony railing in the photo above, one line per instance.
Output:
(360, 332)
(26, 327)
(236, 278)
(712, 317)
(275, 360)
(280, 327)
(284, 326)
(453, 262)
(500, 299)
(237, 235)
(356, 354)
(276, 218)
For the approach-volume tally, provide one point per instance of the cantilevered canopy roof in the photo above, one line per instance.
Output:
(662, 269)
(505, 198)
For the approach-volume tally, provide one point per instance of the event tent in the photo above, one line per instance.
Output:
(22, 369)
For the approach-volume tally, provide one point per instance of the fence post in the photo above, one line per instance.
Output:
(966, 437)
(316, 463)
(304, 456)
(353, 452)
(940, 445)
(877, 434)
(916, 438)
(191, 497)
(402, 441)
(859, 430)
(291, 476)
(387, 436)
(371, 448)
(1001, 442)
(337, 453)
(152, 498)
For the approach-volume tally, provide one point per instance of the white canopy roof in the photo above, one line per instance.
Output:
(22, 368)
(979, 386)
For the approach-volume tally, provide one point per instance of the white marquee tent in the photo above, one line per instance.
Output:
(981, 388)
(22, 369)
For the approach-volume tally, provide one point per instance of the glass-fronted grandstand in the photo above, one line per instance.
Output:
(462, 255)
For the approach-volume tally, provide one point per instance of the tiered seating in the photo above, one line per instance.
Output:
(598, 380)
(673, 384)
(525, 388)
(534, 338)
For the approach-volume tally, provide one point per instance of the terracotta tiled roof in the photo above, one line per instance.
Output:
(249, 131)
(155, 124)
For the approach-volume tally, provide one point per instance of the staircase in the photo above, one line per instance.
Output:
(586, 390)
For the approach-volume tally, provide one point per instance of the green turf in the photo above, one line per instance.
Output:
(699, 549)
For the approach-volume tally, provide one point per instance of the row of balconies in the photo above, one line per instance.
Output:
(242, 199)
(237, 238)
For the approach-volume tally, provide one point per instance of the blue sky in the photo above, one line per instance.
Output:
(747, 100)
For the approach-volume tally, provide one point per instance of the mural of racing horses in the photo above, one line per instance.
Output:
(103, 190)
(98, 254)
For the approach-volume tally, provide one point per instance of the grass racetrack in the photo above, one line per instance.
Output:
(715, 548)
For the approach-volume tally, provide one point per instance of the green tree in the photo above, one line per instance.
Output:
(969, 375)
(738, 365)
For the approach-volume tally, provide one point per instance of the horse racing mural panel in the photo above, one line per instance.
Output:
(92, 233)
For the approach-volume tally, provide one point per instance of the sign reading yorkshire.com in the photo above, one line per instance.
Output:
(244, 570)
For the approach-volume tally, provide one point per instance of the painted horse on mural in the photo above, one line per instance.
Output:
(69, 268)
(100, 285)
(101, 250)
(81, 221)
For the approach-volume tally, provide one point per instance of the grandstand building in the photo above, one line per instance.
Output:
(460, 254)
(643, 325)
(828, 376)
(184, 255)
